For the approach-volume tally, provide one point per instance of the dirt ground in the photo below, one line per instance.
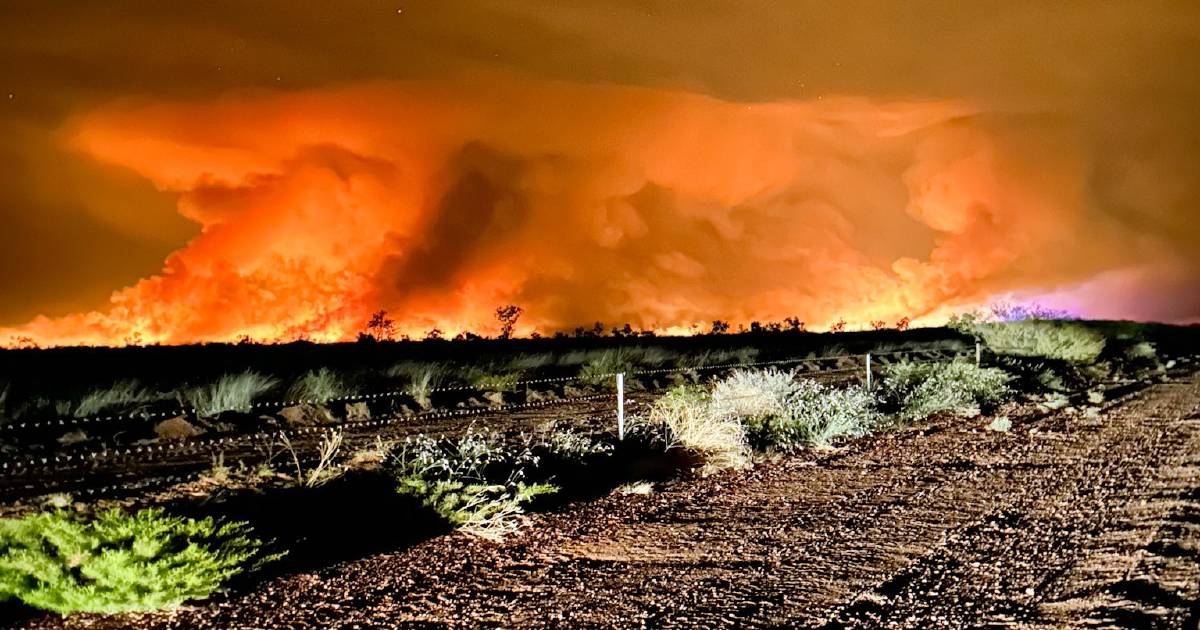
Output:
(1063, 521)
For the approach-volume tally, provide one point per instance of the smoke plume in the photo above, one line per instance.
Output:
(439, 201)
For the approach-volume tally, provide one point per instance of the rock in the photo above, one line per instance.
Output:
(494, 398)
(304, 415)
(176, 428)
(535, 396)
(74, 437)
(357, 412)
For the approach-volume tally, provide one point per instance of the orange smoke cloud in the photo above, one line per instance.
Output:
(441, 201)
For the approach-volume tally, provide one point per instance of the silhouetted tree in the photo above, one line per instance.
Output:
(508, 316)
(838, 326)
(878, 324)
(719, 327)
(794, 324)
(774, 327)
(381, 327)
(756, 327)
(902, 324)
(434, 334)
(598, 329)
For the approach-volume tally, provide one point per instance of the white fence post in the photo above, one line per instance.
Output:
(868, 370)
(978, 354)
(621, 406)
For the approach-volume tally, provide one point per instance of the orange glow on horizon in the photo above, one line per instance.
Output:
(666, 210)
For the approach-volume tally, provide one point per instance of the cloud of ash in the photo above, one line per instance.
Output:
(441, 201)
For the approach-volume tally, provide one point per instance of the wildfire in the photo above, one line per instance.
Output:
(439, 202)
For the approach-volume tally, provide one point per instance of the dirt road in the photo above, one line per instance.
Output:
(1065, 520)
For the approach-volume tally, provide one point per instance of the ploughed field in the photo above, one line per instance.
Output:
(1066, 519)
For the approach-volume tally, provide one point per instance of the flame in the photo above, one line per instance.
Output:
(439, 202)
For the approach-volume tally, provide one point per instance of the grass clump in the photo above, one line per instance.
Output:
(421, 379)
(709, 358)
(232, 392)
(123, 395)
(474, 482)
(781, 412)
(1053, 339)
(489, 381)
(318, 386)
(921, 389)
(119, 562)
(600, 368)
(692, 423)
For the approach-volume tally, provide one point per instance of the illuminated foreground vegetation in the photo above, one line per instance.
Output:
(483, 483)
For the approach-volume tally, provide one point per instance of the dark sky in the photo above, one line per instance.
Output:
(1122, 75)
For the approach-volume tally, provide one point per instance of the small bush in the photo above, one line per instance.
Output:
(718, 439)
(119, 562)
(320, 386)
(232, 392)
(571, 445)
(1064, 340)
(784, 413)
(750, 394)
(473, 482)
(921, 389)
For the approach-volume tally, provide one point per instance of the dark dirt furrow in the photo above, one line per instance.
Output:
(1066, 520)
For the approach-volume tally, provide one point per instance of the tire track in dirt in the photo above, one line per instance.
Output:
(1101, 541)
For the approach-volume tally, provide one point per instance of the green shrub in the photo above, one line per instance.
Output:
(784, 413)
(921, 389)
(232, 392)
(119, 562)
(1064, 340)
(474, 482)
(320, 386)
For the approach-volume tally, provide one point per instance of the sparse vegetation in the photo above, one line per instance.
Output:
(1053, 339)
(318, 386)
(571, 445)
(484, 379)
(232, 392)
(687, 414)
(421, 379)
(473, 482)
(917, 390)
(599, 370)
(119, 562)
(783, 412)
(123, 396)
